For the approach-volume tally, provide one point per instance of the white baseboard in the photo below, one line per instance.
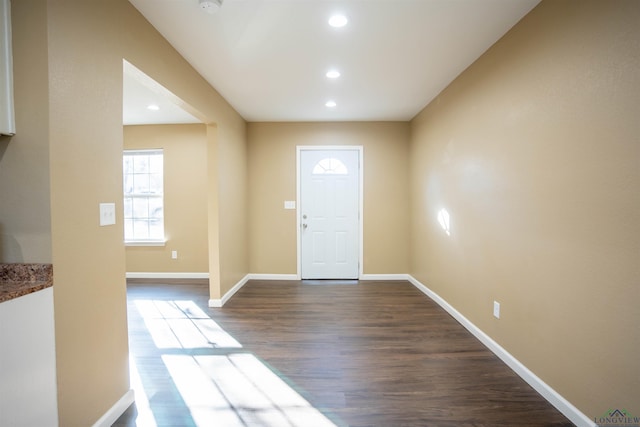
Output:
(552, 396)
(112, 415)
(384, 277)
(137, 275)
(296, 277)
(217, 303)
(273, 277)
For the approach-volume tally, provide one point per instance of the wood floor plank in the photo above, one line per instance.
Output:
(365, 354)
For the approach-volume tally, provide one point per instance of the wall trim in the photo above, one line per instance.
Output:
(167, 275)
(384, 277)
(112, 415)
(552, 396)
(274, 277)
(217, 303)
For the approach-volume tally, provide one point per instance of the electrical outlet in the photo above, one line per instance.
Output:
(174, 254)
(496, 309)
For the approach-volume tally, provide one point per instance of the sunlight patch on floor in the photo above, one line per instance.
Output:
(227, 388)
(242, 390)
(145, 414)
(182, 324)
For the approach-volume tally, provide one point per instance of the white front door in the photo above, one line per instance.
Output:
(329, 213)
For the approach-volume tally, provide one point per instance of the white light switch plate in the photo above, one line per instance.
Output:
(496, 309)
(289, 204)
(107, 214)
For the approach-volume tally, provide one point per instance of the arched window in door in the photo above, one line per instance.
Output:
(330, 166)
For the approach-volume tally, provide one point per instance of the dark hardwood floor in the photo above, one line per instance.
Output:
(296, 354)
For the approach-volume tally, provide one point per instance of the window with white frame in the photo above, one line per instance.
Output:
(143, 196)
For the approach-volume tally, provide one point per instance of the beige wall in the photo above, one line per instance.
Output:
(185, 198)
(226, 133)
(233, 205)
(85, 142)
(272, 180)
(534, 151)
(25, 223)
(66, 159)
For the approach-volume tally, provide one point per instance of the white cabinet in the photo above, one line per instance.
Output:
(7, 115)
(28, 391)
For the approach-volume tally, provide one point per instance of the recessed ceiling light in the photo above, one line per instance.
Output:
(338, 21)
(330, 104)
(333, 74)
(153, 107)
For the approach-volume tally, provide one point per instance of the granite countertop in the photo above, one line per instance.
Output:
(17, 280)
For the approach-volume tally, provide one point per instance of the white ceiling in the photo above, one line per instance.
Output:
(268, 58)
(140, 91)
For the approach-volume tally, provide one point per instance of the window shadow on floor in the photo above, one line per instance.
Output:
(186, 370)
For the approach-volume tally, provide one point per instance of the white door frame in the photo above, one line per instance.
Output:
(360, 150)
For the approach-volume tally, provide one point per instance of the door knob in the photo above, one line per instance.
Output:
(304, 225)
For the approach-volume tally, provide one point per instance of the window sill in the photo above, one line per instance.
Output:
(145, 243)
